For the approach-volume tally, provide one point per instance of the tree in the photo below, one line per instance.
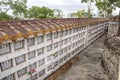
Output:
(115, 2)
(43, 12)
(40, 12)
(104, 7)
(4, 16)
(58, 13)
(89, 6)
(18, 7)
(80, 14)
(20, 11)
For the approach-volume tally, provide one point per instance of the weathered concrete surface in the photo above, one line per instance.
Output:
(112, 29)
(110, 58)
(89, 66)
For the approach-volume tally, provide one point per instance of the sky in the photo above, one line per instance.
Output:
(67, 6)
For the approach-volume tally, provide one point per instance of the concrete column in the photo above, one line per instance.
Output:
(12, 47)
(86, 36)
(37, 75)
(36, 58)
(35, 40)
(52, 40)
(25, 43)
(45, 48)
(26, 55)
(16, 76)
(14, 64)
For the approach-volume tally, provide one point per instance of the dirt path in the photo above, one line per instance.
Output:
(89, 66)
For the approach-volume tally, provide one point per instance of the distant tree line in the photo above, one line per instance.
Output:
(105, 8)
(19, 10)
(81, 14)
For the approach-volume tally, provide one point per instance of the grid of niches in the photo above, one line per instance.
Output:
(96, 30)
(23, 58)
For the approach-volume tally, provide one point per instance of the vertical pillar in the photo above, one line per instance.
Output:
(37, 64)
(35, 40)
(25, 43)
(36, 58)
(14, 64)
(26, 55)
(37, 76)
(86, 36)
(13, 61)
(12, 47)
(45, 51)
(45, 48)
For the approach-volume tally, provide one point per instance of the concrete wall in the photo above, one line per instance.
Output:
(112, 29)
(87, 35)
(110, 58)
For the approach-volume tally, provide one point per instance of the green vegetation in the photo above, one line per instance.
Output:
(105, 7)
(81, 14)
(4, 16)
(36, 12)
(89, 7)
(18, 7)
(20, 11)
(40, 12)
(115, 2)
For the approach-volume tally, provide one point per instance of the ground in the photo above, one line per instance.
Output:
(89, 65)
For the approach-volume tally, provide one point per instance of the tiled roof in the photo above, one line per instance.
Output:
(11, 30)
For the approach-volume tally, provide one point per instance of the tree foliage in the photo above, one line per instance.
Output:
(89, 6)
(4, 16)
(115, 2)
(80, 14)
(40, 12)
(20, 10)
(43, 12)
(58, 13)
(18, 7)
(104, 6)
(85, 1)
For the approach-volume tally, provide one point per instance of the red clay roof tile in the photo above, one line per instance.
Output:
(23, 28)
